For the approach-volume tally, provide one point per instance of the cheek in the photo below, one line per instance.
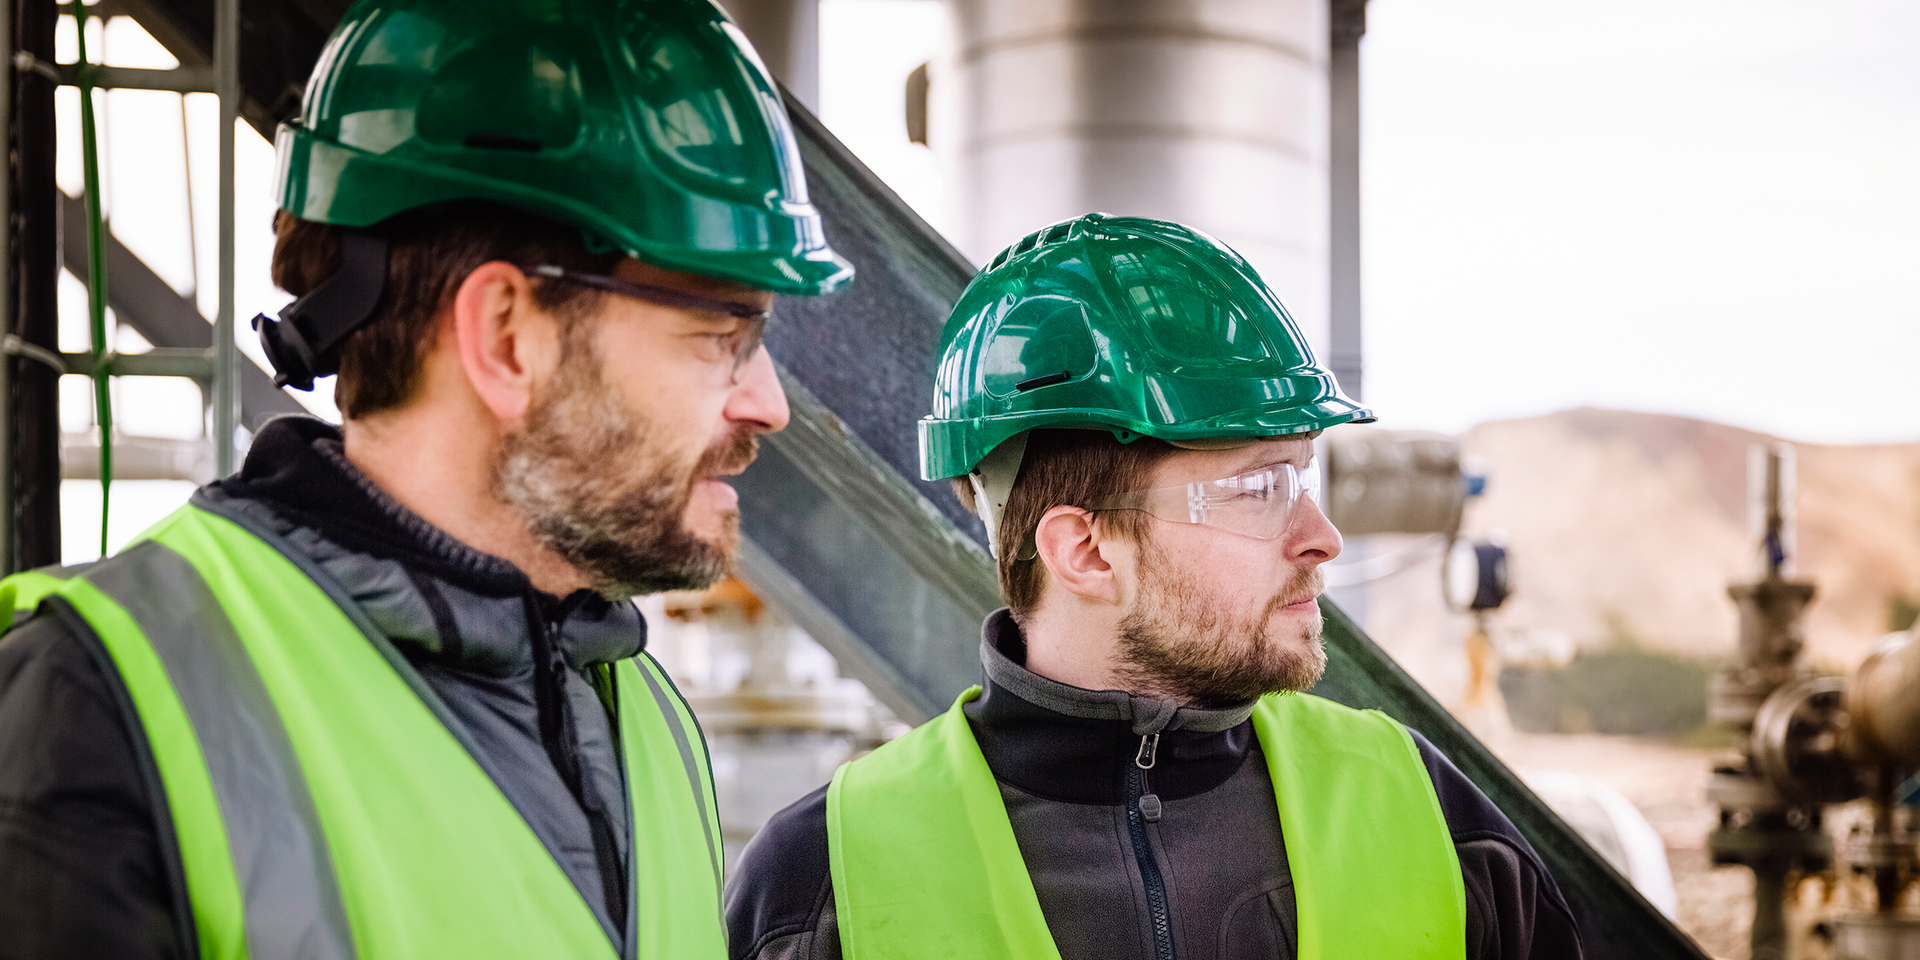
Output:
(676, 408)
(1227, 564)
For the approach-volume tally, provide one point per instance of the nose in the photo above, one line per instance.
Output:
(757, 399)
(1314, 539)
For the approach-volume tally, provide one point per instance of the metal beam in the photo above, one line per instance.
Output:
(178, 80)
(7, 549)
(279, 43)
(1345, 348)
(139, 458)
(148, 304)
(33, 408)
(863, 562)
(226, 394)
(158, 362)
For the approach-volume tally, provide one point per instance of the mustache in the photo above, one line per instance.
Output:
(730, 455)
(1304, 585)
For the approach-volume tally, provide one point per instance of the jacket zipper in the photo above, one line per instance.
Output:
(1144, 807)
(561, 740)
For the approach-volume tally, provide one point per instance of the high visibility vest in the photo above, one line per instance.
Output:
(925, 864)
(322, 807)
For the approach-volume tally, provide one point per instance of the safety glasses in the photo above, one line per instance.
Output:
(1261, 503)
(750, 338)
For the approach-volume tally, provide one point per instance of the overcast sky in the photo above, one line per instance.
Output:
(1701, 207)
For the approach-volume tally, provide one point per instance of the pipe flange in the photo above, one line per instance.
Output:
(1799, 742)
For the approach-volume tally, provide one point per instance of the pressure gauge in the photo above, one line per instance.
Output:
(1474, 575)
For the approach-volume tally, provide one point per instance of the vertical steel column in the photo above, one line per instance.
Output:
(226, 374)
(786, 34)
(1212, 113)
(34, 406)
(7, 552)
(1348, 21)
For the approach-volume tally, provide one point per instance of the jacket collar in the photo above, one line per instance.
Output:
(1076, 745)
(434, 596)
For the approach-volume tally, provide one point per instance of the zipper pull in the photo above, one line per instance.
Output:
(1150, 807)
(1149, 746)
(1145, 758)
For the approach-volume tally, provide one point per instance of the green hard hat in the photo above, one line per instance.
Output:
(650, 124)
(1142, 327)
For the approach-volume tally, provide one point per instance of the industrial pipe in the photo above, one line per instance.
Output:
(1213, 113)
(1393, 481)
(1883, 702)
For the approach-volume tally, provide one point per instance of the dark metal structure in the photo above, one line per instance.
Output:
(32, 239)
(886, 570)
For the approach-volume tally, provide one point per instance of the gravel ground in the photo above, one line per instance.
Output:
(1668, 784)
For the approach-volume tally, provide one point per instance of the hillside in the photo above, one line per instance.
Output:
(1627, 527)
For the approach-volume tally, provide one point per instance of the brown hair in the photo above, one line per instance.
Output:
(1070, 468)
(430, 253)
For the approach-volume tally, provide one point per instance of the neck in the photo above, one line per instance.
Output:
(1077, 646)
(436, 459)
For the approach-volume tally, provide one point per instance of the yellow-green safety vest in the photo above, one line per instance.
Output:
(925, 865)
(323, 810)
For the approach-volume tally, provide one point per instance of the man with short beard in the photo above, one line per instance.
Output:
(1131, 413)
(379, 694)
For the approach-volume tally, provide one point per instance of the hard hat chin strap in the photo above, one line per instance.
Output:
(304, 342)
(992, 480)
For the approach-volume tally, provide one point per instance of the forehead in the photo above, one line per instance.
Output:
(1187, 466)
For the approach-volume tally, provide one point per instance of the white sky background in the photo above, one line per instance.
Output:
(1701, 207)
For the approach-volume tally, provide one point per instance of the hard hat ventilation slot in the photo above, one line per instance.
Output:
(997, 261)
(1026, 243)
(1058, 233)
(1046, 381)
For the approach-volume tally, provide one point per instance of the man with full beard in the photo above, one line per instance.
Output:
(1132, 414)
(379, 694)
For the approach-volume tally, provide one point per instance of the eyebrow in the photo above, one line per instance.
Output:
(1268, 460)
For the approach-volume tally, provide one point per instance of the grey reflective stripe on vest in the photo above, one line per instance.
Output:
(687, 759)
(67, 572)
(286, 876)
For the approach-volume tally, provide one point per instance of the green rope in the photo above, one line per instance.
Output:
(96, 269)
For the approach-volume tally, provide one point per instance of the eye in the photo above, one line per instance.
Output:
(726, 341)
(1253, 493)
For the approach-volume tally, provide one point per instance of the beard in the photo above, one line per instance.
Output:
(597, 493)
(1182, 641)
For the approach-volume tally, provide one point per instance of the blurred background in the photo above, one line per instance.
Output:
(1583, 259)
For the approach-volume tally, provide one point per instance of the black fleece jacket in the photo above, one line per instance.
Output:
(88, 862)
(1062, 756)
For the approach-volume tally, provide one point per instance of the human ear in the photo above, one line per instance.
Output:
(1068, 541)
(506, 344)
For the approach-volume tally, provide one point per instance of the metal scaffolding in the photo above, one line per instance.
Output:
(216, 367)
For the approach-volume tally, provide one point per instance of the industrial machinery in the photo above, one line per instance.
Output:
(1410, 482)
(1810, 742)
(1394, 481)
(1417, 482)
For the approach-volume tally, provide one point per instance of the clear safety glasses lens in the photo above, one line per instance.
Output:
(1261, 503)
